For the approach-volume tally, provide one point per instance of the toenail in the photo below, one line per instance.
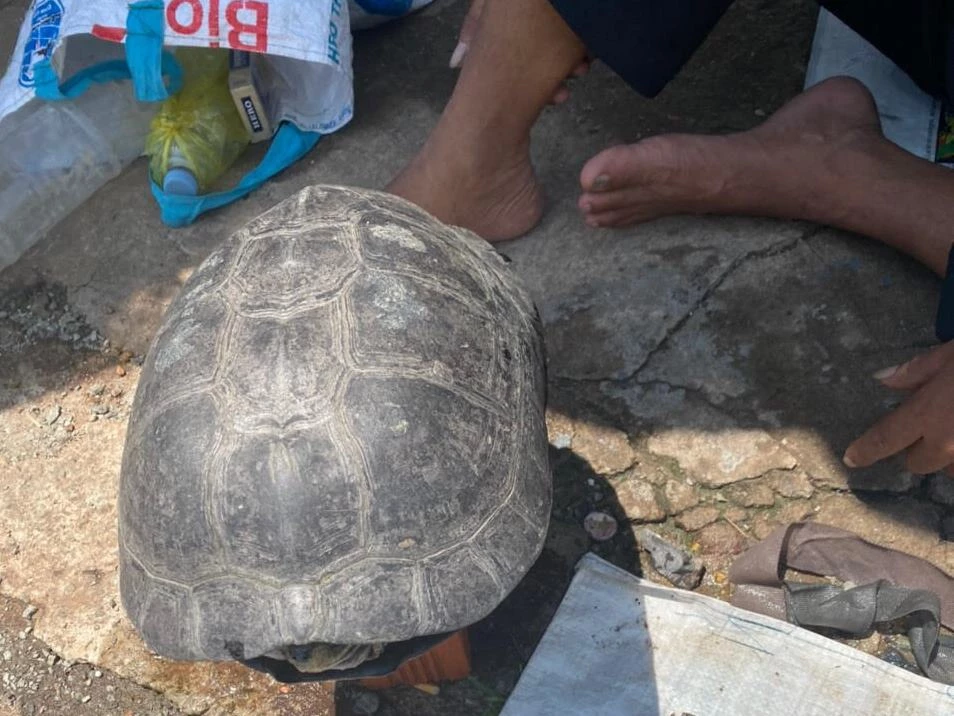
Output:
(601, 182)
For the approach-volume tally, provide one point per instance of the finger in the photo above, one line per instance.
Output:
(581, 69)
(890, 435)
(949, 471)
(917, 371)
(460, 52)
(468, 32)
(561, 95)
(928, 456)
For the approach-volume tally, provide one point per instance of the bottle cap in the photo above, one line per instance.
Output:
(180, 181)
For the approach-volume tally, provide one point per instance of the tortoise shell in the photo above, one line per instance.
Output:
(338, 436)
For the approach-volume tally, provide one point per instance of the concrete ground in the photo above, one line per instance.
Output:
(706, 375)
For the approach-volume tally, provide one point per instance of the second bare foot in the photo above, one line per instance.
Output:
(783, 168)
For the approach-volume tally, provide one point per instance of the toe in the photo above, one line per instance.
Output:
(595, 176)
(617, 167)
(617, 217)
(599, 202)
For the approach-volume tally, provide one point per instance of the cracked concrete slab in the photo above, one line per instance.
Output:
(685, 355)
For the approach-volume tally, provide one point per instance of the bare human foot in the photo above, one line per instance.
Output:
(474, 169)
(498, 198)
(788, 167)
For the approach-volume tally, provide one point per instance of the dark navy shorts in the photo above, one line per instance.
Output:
(648, 41)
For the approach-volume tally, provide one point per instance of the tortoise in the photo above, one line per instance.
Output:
(338, 441)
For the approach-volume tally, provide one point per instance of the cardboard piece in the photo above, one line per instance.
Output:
(622, 645)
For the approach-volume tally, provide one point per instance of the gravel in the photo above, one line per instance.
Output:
(34, 679)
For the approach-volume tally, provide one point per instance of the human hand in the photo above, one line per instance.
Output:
(468, 32)
(923, 425)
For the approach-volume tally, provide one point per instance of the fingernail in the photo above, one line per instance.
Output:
(848, 461)
(587, 207)
(601, 182)
(458, 55)
(886, 373)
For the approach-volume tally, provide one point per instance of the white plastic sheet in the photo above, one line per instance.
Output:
(621, 645)
(302, 49)
(909, 116)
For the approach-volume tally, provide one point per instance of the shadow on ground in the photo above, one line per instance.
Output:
(504, 641)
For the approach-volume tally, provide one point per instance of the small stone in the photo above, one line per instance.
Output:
(735, 514)
(763, 527)
(794, 511)
(680, 496)
(638, 500)
(116, 392)
(697, 518)
(29, 611)
(722, 539)
(52, 415)
(559, 425)
(672, 562)
(607, 450)
(600, 526)
(871, 644)
(97, 674)
(120, 371)
(940, 488)
(85, 699)
(720, 578)
(723, 453)
(366, 703)
(7, 655)
(754, 493)
(100, 409)
(407, 543)
(97, 390)
(760, 113)
(51, 659)
(793, 484)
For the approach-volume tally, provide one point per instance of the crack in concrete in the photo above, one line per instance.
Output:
(775, 249)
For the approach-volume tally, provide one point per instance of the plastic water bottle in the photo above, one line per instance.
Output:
(198, 133)
(55, 155)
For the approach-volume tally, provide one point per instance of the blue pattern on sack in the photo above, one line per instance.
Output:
(44, 31)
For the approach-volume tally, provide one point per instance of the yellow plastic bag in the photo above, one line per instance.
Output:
(198, 129)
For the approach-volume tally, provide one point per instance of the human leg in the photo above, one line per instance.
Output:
(821, 157)
(474, 170)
